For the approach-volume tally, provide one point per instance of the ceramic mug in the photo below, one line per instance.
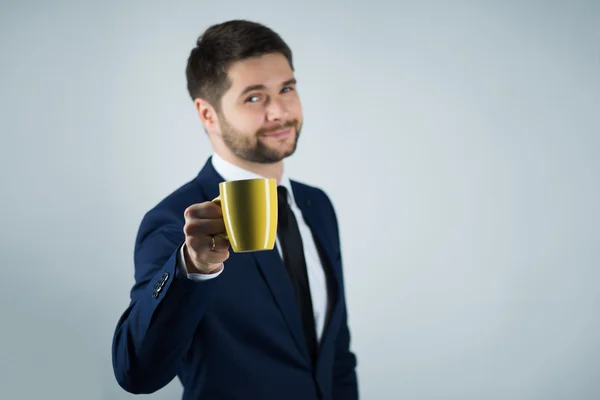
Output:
(250, 213)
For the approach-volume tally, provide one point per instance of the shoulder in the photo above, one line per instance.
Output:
(314, 194)
(318, 200)
(178, 200)
(167, 213)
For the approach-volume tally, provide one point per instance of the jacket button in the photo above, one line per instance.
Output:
(164, 278)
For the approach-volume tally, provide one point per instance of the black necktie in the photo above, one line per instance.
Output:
(293, 258)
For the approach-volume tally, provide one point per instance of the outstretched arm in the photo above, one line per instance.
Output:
(155, 331)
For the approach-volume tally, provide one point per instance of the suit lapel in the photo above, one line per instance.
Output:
(209, 180)
(275, 274)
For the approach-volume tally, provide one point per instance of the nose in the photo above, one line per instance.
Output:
(276, 111)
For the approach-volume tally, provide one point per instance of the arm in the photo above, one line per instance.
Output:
(345, 382)
(155, 331)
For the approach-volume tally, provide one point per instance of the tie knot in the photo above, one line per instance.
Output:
(282, 195)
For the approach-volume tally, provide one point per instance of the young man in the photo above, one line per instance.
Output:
(263, 325)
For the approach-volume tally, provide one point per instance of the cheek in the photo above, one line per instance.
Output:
(295, 108)
(248, 121)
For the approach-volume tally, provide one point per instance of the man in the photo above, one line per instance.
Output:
(262, 325)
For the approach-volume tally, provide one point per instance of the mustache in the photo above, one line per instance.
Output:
(288, 124)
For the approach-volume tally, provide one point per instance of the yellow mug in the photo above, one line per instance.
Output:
(250, 213)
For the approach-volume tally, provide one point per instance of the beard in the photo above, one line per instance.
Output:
(251, 148)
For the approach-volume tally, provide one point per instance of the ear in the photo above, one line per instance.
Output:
(207, 114)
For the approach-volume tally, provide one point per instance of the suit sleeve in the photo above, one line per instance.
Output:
(155, 331)
(345, 382)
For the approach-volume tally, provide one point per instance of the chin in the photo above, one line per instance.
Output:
(285, 150)
(277, 155)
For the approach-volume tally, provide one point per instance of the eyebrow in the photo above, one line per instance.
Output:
(252, 88)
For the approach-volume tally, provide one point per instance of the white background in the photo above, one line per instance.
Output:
(458, 140)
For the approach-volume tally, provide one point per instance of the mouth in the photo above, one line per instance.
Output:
(278, 135)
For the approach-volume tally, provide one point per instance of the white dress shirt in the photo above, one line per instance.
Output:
(316, 274)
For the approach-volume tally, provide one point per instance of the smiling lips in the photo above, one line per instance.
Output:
(282, 134)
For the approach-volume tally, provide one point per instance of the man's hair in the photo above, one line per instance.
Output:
(221, 45)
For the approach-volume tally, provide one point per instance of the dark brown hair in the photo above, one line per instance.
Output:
(221, 45)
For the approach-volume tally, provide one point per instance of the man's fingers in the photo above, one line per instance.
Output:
(208, 210)
(220, 244)
(203, 224)
(216, 257)
(201, 254)
(204, 244)
(204, 227)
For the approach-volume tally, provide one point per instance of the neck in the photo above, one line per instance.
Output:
(273, 171)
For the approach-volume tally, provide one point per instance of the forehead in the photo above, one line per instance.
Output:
(268, 70)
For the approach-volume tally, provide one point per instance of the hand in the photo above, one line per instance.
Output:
(203, 221)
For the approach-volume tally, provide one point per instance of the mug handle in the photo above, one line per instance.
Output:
(217, 200)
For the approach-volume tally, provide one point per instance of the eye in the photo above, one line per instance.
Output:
(287, 89)
(252, 99)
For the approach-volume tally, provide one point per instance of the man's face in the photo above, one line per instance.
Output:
(261, 115)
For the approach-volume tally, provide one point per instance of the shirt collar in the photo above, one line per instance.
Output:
(231, 172)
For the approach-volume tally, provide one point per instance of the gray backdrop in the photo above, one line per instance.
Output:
(458, 140)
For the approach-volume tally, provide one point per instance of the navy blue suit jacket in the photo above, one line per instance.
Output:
(239, 335)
